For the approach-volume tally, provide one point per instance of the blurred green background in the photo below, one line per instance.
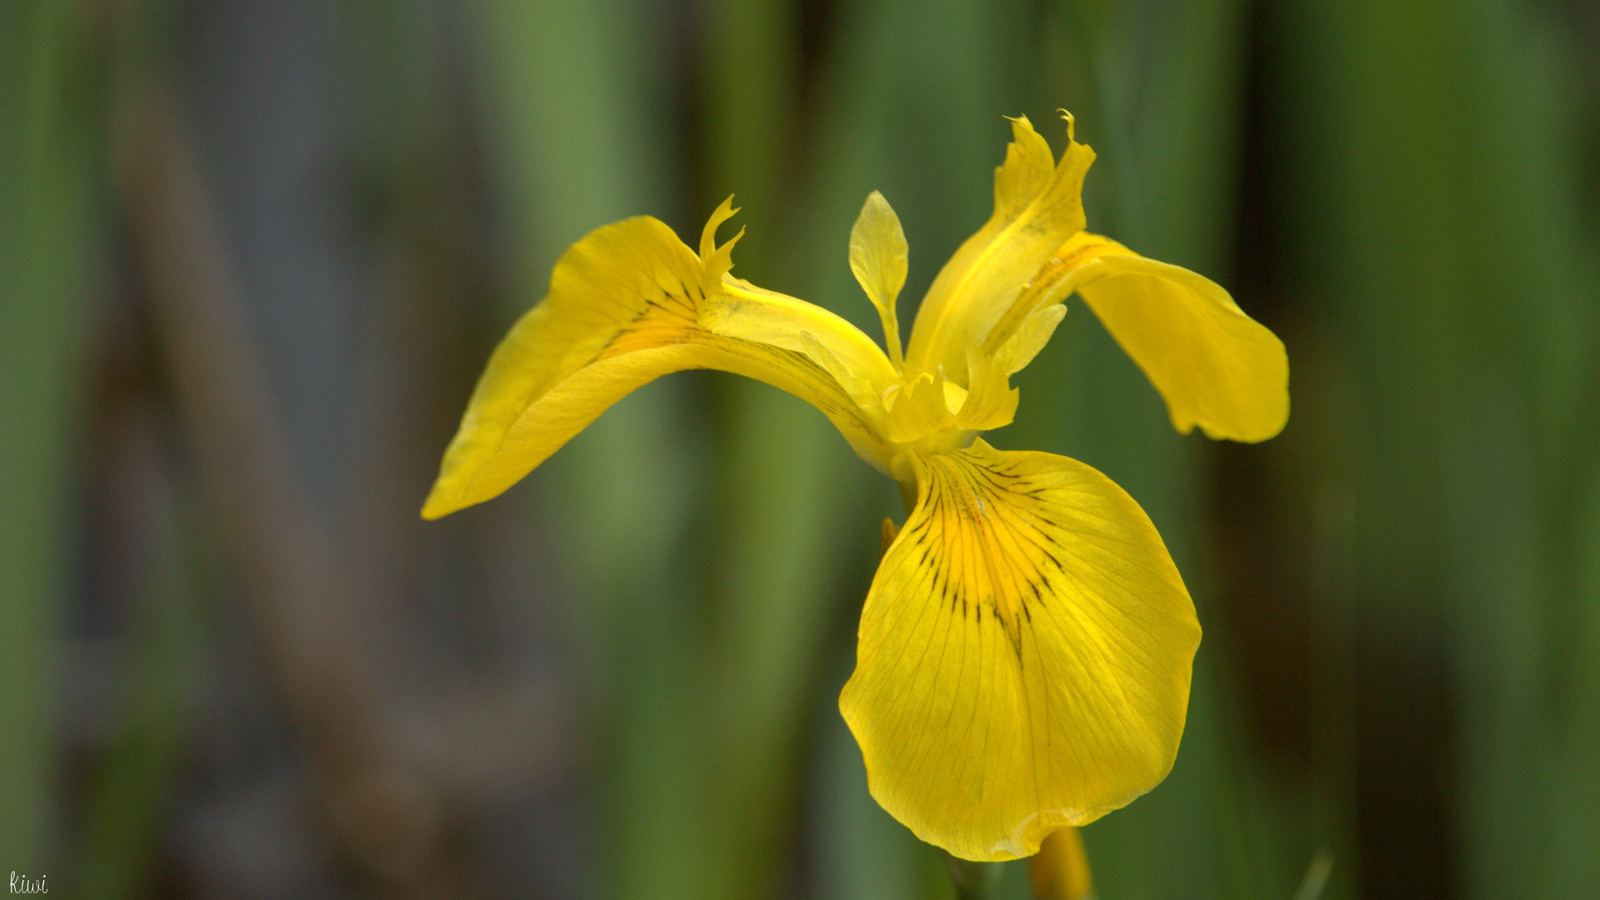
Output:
(254, 254)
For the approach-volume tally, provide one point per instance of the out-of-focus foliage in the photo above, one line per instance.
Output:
(252, 256)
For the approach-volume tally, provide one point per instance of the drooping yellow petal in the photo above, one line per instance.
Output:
(629, 303)
(879, 257)
(1024, 654)
(1215, 366)
(1037, 207)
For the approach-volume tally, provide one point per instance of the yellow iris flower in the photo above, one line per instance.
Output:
(1025, 648)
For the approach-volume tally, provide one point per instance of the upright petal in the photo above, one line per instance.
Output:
(879, 256)
(1024, 655)
(1037, 207)
(629, 303)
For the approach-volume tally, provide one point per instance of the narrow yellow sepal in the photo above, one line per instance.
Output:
(1024, 655)
(879, 258)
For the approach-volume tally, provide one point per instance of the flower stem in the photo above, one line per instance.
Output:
(973, 880)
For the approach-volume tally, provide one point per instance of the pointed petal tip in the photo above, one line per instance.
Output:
(1021, 127)
(437, 506)
(875, 210)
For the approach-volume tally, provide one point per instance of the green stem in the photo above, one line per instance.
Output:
(973, 880)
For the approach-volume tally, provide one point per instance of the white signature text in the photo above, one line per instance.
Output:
(21, 885)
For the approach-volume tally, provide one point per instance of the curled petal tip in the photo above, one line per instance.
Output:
(1071, 123)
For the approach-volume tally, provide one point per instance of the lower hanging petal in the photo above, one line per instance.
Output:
(628, 303)
(1024, 656)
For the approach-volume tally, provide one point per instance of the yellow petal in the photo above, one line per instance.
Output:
(626, 305)
(746, 312)
(992, 401)
(878, 257)
(1215, 366)
(1024, 654)
(1037, 207)
(1022, 347)
(919, 408)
